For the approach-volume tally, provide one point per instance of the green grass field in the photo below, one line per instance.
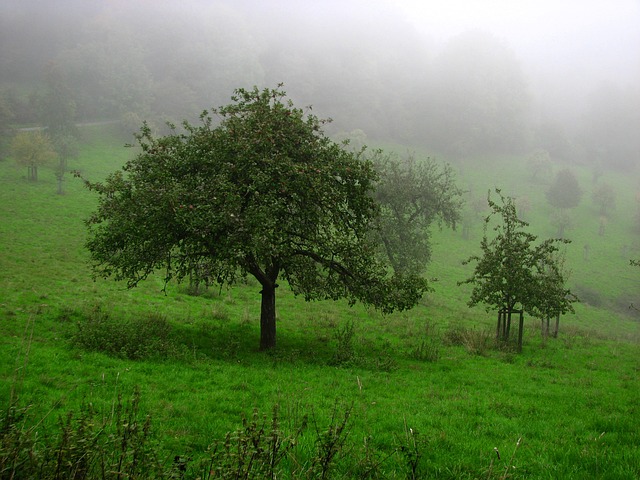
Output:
(427, 392)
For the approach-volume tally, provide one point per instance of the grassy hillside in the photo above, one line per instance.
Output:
(426, 391)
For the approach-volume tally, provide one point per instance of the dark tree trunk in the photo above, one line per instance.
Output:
(555, 331)
(507, 331)
(267, 277)
(520, 330)
(268, 317)
(545, 327)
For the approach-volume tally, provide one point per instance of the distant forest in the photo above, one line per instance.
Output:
(379, 78)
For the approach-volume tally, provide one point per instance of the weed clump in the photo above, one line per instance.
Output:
(146, 337)
(426, 351)
(344, 353)
(476, 342)
(85, 445)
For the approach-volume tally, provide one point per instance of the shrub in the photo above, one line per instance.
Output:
(345, 351)
(148, 336)
(476, 342)
(427, 351)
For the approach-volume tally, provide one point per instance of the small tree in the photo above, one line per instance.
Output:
(508, 276)
(66, 147)
(555, 299)
(264, 193)
(32, 149)
(565, 191)
(413, 194)
(561, 219)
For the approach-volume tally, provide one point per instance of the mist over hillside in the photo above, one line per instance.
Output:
(456, 79)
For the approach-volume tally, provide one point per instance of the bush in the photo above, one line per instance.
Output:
(476, 342)
(148, 336)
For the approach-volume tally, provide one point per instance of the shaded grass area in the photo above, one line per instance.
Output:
(572, 401)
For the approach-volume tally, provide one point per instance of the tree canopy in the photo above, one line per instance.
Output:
(262, 192)
(412, 194)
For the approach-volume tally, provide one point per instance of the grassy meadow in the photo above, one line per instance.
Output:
(426, 392)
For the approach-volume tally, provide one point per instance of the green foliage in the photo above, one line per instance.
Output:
(513, 272)
(263, 193)
(149, 336)
(412, 195)
(565, 191)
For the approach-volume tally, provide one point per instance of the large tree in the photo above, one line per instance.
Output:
(263, 192)
(514, 273)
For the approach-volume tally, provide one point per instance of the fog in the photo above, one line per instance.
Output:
(457, 78)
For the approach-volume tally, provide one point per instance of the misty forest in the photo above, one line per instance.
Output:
(319, 239)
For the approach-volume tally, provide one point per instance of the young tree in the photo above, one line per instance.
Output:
(412, 195)
(565, 191)
(66, 147)
(32, 149)
(510, 275)
(561, 219)
(264, 193)
(554, 298)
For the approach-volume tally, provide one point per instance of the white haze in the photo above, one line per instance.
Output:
(562, 71)
(567, 46)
